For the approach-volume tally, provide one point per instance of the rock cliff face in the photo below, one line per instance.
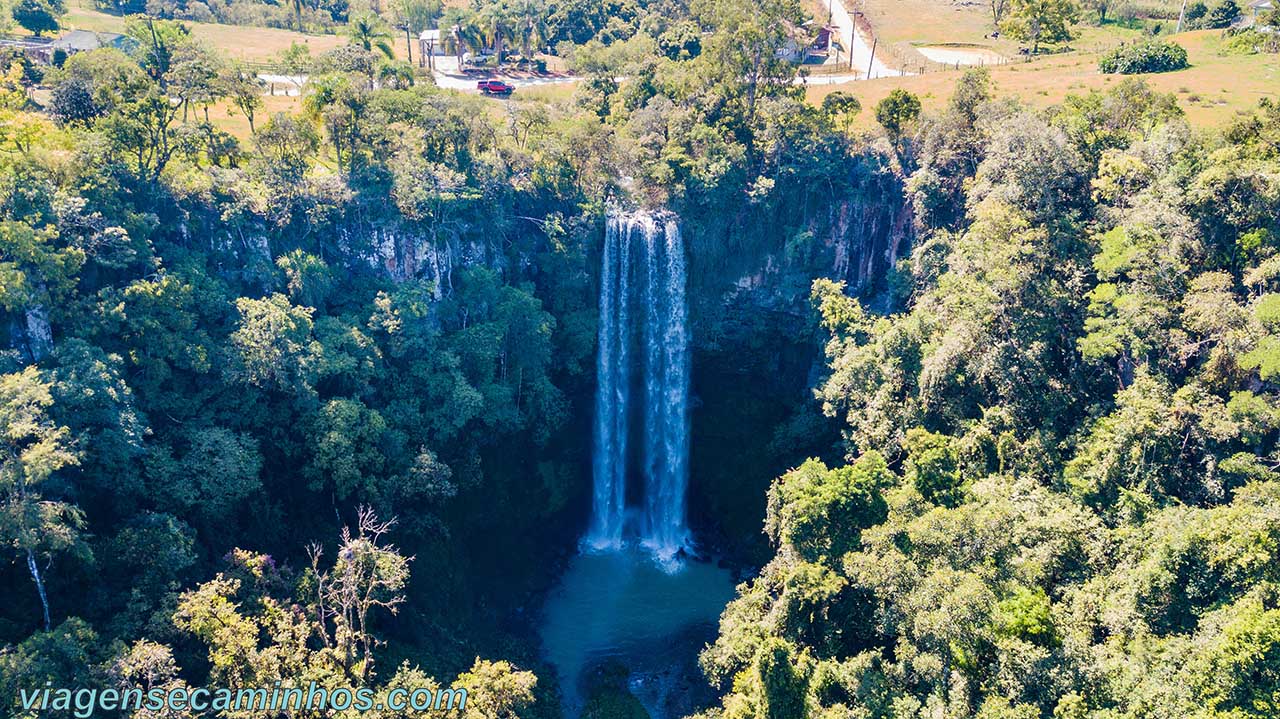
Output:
(770, 262)
(29, 335)
(866, 240)
(767, 255)
(857, 242)
(392, 248)
(404, 254)
(38, 334)
(757, 351)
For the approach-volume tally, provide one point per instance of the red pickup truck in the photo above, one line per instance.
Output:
(495, 87)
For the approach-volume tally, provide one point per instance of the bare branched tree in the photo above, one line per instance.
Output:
(369, 573)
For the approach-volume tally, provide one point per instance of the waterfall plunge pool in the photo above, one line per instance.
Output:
(624, 611)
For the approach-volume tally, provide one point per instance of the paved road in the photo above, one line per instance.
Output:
(447, 75)
(828, 79)
(858, 45)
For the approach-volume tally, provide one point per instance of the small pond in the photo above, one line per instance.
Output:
(626, 613)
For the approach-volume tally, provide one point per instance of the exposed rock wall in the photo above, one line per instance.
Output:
(403, 253)
(866, 240)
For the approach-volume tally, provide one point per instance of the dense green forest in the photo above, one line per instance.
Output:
(1061, 498)
(315, 405)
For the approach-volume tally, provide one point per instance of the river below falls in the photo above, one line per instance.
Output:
(624, 613)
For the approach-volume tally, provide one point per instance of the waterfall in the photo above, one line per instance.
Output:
(642, 263)
(666, 379)
(609, 460)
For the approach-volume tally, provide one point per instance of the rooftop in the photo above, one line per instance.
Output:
(79, 40)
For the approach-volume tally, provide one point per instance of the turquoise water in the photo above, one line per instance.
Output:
(625, 606)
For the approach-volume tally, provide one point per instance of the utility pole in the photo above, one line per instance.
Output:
(1181, 14)
(408, 42)
(874, 42)
(853, 37)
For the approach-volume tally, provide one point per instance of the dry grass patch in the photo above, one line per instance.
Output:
(903, 25)
(550, 93)
(1214, 90)
(241, 42)
(900, 25)
(225, 117)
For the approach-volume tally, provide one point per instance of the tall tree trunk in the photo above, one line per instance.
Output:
(35, 576)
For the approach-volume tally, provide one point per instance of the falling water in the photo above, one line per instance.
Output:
(609, 463)
(666, 380)
(634, 601)
(647, 249)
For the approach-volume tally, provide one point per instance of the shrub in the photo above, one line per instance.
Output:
(37, 16)
(72, 101)
(1150, 56)
(843, 105)
(1223, 14)
(1158, 10)
(1195, 13)
(1250, 42)
(1126, 14)
(897, 110)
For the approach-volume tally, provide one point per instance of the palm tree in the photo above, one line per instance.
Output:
(334, 101)
(456, 32)
(496, 20)
(466, 33)
(371, 33)
(531, 27)
(323, 92)
(397, 74)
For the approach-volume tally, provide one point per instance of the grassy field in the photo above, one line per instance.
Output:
(253, 44)
(1212, 91)
(225, 117)
(903, 25)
